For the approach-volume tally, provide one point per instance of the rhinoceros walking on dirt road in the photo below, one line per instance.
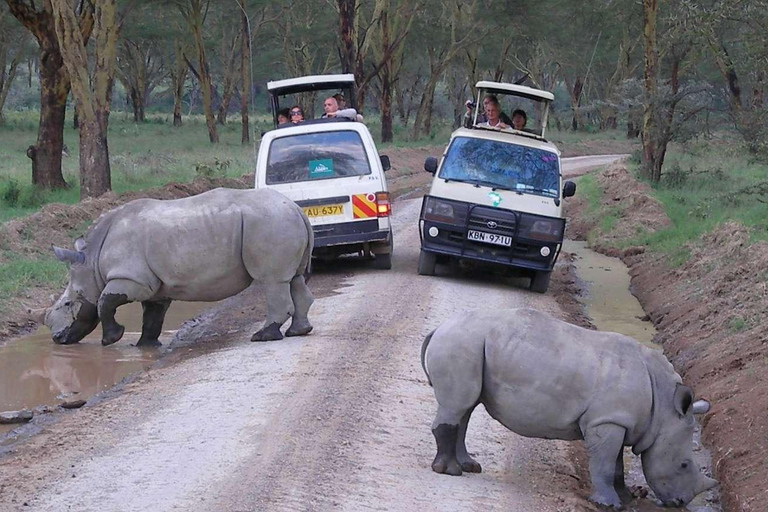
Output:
(542, 377)
(201, 248)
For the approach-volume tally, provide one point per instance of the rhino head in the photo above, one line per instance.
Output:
(74, 315)
(668, 463)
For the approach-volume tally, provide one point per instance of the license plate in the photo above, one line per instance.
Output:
(489, 238)
(323, 211)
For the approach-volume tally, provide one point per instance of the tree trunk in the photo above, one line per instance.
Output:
(385, 104)
(245, 69)
(54, 89)
(424, 114)
(648, 167)
(178, 78)
(346, 34)
(94, 155)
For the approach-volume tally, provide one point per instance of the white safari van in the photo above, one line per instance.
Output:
(331, 168)
(497, 193)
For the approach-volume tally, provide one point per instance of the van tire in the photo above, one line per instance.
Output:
(540, 281)
(427, 261)
(383, 261)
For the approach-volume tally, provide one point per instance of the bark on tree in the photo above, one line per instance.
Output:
(92, 92)
(54, 89)
(649, 133)
(7, 78)
(178, 79)
(193, 12)
(245, 78)
(230, 81)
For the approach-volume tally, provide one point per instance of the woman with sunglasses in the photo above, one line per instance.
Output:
(297, 114)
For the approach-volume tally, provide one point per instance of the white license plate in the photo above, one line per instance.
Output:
(489, 238)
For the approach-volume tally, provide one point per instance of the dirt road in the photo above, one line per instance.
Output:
(336, 420)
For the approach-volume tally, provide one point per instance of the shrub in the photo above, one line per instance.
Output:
(11, 193)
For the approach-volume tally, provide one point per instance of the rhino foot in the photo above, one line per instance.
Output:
(471, 466)
(269, 333)
(149, 343)
(446, 466)
(606, 501)
(113, 335)
(299, 328)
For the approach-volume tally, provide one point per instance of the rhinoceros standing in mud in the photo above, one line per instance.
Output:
(541, 377)
(201, 248)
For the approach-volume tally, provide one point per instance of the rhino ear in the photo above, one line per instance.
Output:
(68, 256)
(80, 244)
(683, 399)
(700, 407)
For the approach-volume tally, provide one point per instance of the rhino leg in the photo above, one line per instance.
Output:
(446, 437)
(618, 480)
(152, 322)
(302, 300)
(468, 464)
(279, 310)
(116, 293)
(604, 443)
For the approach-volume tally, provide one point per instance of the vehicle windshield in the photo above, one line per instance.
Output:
(316, 156)
(502, 165)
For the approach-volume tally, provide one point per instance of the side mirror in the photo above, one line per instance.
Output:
(569, 189)
(385, 163)
(430, 165)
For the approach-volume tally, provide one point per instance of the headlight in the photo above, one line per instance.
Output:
(540, 228)
(443, 211)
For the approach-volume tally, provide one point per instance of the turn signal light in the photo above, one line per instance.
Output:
(383, 207)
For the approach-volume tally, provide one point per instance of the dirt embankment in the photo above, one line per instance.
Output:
(711, 314)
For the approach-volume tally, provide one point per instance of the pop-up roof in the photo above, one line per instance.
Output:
(538, 99)
(312, 83)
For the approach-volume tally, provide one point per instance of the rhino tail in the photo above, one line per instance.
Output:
(424, 353)
(305, 267)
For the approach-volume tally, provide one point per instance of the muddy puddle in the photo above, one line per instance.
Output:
(609, 303)
(612, 307)
(35, 372)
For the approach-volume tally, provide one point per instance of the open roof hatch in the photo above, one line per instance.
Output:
(542, 101)
(281, 88)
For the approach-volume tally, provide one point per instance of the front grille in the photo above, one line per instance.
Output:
(492, 221)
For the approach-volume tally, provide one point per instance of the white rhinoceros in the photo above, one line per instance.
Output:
(542, 377)
(201, 248)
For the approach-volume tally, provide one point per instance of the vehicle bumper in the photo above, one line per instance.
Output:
(523, 253)
(349, 233)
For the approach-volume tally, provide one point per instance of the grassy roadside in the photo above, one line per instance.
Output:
(704, 186)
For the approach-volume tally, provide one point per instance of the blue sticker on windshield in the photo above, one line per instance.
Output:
(320, 168)
(495, 198)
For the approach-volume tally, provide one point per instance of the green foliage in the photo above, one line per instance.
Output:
(737, 323)
(18, 274)
(215, 169)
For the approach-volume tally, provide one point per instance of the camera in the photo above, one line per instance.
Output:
(470, 104)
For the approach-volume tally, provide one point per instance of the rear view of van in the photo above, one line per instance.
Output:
(332, 170)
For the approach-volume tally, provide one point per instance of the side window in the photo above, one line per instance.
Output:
(316, 156)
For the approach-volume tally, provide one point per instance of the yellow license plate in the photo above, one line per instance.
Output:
(323, 211)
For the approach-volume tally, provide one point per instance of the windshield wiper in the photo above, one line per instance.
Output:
(484, 183)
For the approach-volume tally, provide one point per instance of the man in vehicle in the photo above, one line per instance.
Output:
(481, 116)
(493, 116)
(331, 108)
(297, 114)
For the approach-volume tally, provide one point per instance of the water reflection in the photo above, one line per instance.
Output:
(34, 371)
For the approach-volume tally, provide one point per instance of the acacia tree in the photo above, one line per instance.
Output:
(194, 13)
(140, 70)
(54, 86)
(92, 90)
(8, 68)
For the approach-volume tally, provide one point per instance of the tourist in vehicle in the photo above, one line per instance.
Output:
(481, 116)
(331, 108)
(283, 116)
(519, 119)
(296, 114)
(341, 101)
(493, 116)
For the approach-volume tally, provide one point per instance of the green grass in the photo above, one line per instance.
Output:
(703, 186)
(18, 274)
(605, 218)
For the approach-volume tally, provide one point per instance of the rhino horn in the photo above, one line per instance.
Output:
(37, 314)
(700, 407)
(68, 256)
